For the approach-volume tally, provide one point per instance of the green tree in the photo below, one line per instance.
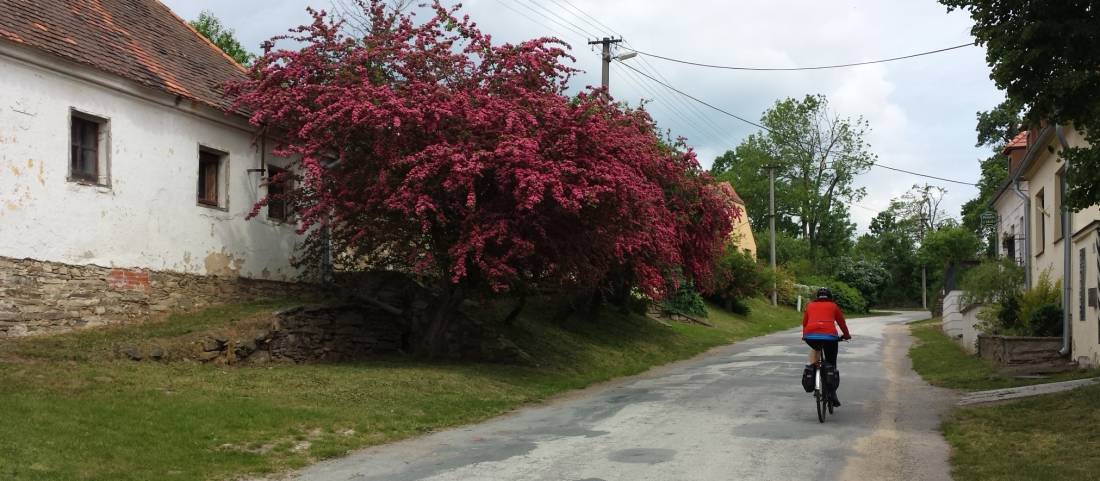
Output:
(892, 242)
(1045, 56)
(817, 155)
(211, 28)
(951, 245)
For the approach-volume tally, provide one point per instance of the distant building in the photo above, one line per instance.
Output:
(125, 176)
(741, 234)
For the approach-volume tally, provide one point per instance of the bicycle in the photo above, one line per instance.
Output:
(822, 398)
(823, 395)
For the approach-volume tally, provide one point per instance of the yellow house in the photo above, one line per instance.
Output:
(741, 234)
(1067, 251)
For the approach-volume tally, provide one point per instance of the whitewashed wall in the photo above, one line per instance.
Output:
(148, 217)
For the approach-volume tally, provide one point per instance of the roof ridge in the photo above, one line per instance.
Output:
(210, 43)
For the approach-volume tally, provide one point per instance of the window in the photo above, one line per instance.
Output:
(1082, 285)
(210, 191)
(87, 149)
(1059, 190)
(1040, 222)
(278, 183)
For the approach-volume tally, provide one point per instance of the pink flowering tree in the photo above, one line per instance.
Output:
(427, 149)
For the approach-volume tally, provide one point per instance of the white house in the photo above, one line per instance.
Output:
(123, 171)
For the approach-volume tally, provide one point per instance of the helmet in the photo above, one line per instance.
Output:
(824, 293)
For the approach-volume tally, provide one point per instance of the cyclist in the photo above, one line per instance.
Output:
(819, 329)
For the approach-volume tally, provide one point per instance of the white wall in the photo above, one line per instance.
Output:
(1010, 215)
(148, 216)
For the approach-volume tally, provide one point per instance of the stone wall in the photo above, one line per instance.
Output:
(38, 297)
(1024, 355)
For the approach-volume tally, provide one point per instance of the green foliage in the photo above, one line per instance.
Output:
(737, 275)
(686, 300)
(1034, 312)
(1044, 55)
(817, 156)
(949, 246)
(992, 281)
(211, 28)
(867, 276)
(847, 297)
(784, 280)
(891, 241)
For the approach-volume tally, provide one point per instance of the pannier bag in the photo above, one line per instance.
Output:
(808, 379)
(830, 377)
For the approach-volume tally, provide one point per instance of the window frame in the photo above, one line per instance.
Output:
(101, 177)
(285, 185)
(1041, 224)
(1059, 192)
(220, 183)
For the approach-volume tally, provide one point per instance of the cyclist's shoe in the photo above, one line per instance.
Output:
(835, 401)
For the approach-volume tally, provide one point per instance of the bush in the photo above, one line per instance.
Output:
(869, 277)
(1035, 312)
(847, 297)
(738, 306)
(992, 281)
(737, 276)
(686, 300)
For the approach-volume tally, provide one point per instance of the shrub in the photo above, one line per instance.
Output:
(738, 306)
(1034, 305)
(992, 281)
(737, 275)
(847, 297)
(1046, 320)
(869, 277)
(686, 300)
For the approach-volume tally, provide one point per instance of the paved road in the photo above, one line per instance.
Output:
(737, 413)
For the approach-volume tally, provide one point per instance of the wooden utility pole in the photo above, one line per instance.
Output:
(606, 73)
(771, 222)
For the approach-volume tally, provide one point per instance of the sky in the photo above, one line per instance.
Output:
(921, 111)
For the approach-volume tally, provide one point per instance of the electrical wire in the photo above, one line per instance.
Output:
(714, 130)
(792, 69)
(762, 127)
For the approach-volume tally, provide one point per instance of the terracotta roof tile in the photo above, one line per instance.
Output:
(140, 40)
(1017, 142)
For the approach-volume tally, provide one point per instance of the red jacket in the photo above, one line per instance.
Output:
(821, 317)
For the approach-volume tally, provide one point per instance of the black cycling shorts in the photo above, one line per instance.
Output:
(830, 348)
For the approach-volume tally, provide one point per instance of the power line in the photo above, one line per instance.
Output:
(791, 69)
(528, 17)
(543, 15)
(762, 127)
(563, 19)
(972, 184)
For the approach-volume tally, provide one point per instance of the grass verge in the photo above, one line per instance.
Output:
(73, 411)
(1052, 437)
(1049, 437)
(942, 362)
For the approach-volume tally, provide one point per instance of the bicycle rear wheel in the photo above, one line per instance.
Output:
(819, 402)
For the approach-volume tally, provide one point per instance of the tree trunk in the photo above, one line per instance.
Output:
(512, 316)
(439, 322)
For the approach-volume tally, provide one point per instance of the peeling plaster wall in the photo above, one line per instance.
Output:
(147, 217)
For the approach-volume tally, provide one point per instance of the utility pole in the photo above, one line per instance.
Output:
(606, 43)
(771, 221)
(923, 268)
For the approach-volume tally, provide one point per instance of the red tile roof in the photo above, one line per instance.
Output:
(139, 40)
(1017, 142)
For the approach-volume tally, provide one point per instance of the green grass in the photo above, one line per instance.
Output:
(1052, 437)
(942, 362)
(73, 411)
